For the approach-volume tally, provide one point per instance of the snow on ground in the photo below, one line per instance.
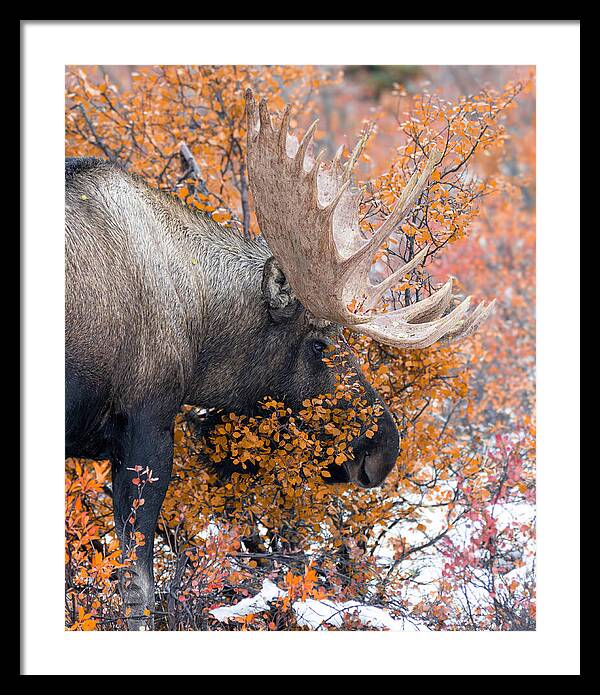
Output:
(256, 604)
(313, 613)
(426, 571)
(427, 568)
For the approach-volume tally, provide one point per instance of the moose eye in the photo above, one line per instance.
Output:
(318, 347)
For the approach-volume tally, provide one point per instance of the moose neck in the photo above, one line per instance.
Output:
(226, 269)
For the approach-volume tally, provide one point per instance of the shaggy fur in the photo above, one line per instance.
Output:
(165, 307)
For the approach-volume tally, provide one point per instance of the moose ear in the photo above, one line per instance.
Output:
(277, 293)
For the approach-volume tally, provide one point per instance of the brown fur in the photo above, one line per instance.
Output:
(165, 307)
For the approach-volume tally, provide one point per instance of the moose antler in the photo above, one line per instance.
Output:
(309, 215)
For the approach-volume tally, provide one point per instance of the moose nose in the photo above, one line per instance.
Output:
(376, 467)
(371, 469)
(375, 458)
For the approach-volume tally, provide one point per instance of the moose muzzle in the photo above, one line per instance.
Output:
(374, 457)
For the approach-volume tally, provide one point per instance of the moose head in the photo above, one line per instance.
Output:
(316, 283)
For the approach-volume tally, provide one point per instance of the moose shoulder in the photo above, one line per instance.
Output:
(165, 307)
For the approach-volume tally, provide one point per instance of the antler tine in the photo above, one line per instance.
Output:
(284, 130)
(480, 314)
(309, 215)
(266, 126)
(304, 143)
(357, 151)
(377, 292)
(431, 307)
(251, 114)
(417, 182)
(391, 328)
(338, 155)
(314, 172)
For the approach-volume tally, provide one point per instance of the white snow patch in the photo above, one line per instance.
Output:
(255, 604)
(313, 613)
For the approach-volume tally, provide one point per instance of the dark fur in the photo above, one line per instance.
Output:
(166, 307)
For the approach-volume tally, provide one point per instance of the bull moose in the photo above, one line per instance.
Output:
(165, 307)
